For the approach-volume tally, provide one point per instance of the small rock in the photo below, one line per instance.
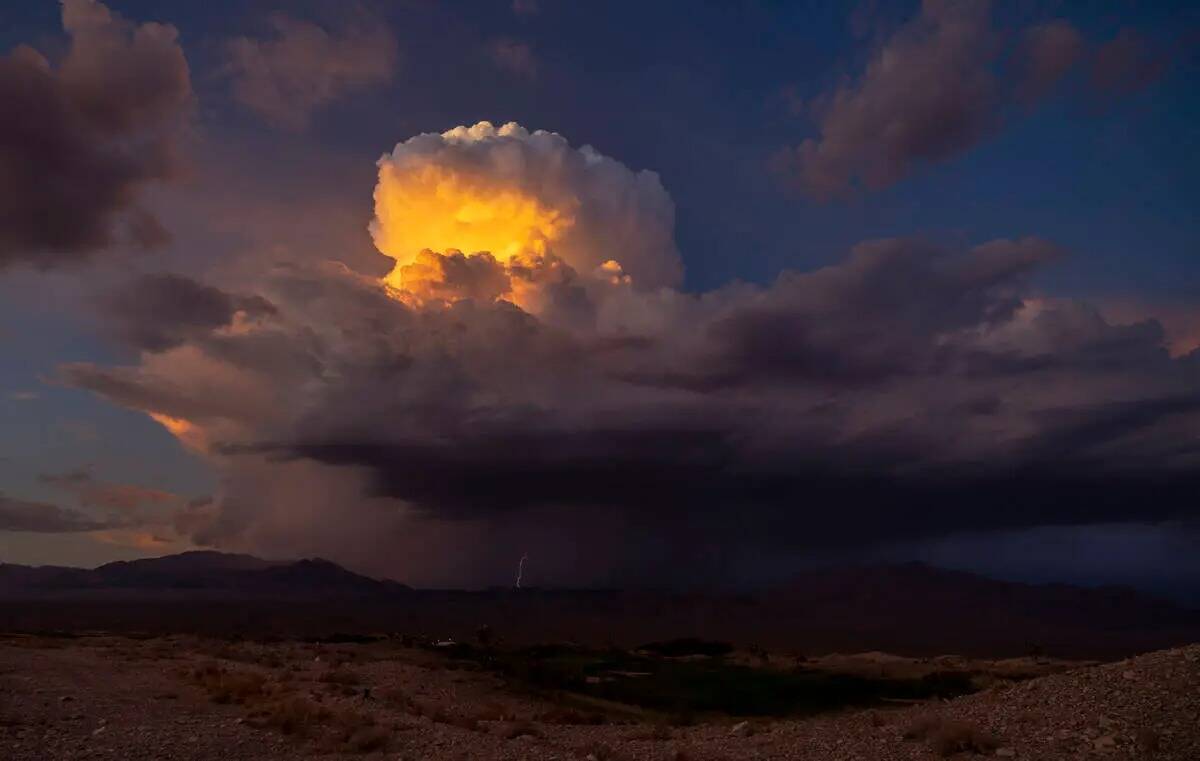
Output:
(741, 729)
(1006, 753)
(98, 731)
(1129, 674)
(1104, 742)
(65, 698)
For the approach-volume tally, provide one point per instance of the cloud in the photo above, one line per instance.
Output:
(82, 140)
(42, 518)
(1125, 65)
(526, 7)
(511, 192)
(927, 94)
(529, 385)
(156, 312)
(126, 500)
(114, 513)
(514, 57)
(1048, 50)
(941, 84)
(303, 67)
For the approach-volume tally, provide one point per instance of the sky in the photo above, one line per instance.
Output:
(654, 293)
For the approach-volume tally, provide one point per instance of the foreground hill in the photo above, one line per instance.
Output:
(196, 700)
(909, 608)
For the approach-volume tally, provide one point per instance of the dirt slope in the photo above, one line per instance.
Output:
(107, 698)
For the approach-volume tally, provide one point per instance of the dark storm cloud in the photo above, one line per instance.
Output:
(79, 141)
(156, 312)
(908, 391)
(858, 321)
(43, 518)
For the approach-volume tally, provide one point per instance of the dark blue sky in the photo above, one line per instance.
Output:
(705, 94)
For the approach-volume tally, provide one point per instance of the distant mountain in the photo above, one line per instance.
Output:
(929, 604)
(206, 573)
(907, 608)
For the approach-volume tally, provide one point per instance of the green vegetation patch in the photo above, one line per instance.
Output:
(689, 686)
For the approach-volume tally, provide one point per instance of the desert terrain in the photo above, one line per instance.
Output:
(183, 697)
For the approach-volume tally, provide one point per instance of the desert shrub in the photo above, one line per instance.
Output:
(677, 648)
(469, 723)
(396, 698)
(521, 729)
(291, 716)
(952, 737)
(493, 712)
(921, 727)
(368, 740)
(569, 716)
(1147, 740)
(657, 731)
(340, 676)
(224, 686)
(599, 751)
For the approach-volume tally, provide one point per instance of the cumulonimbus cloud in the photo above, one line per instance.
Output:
(79, 141)
(535, 379)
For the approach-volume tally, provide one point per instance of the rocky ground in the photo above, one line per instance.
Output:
(184, 698)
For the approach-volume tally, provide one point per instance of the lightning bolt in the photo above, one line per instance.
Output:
(521, 568)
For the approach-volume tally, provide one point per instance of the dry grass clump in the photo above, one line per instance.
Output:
(340, 676)
(658, 731)
(569, 716)
(522, 728)
(296, 716)
(398, 698)
(369, 740)
(226, 686)
(1147, 740)
(494, 712)
(442, 716)
(947, 737)
(290, 716)
(598, 752)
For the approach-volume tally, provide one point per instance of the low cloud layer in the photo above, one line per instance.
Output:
(543, 389)
(82, 138)
(126, 515)
(302, 67)
(43, 518)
